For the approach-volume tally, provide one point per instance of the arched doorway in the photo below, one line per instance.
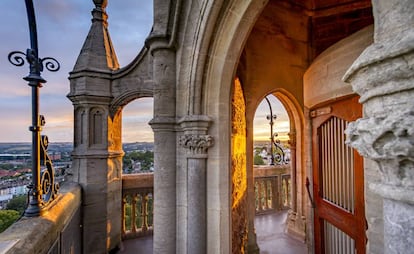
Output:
(242, 171)
(259, 47)
(273, 179)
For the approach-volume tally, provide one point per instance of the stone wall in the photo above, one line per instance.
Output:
(323, 79)
(57, 230)
(239, 172)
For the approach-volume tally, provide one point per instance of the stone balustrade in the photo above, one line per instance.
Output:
(56, 230)
(137, 205)
(272, 188)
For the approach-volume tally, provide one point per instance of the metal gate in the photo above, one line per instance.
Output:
(338, 181)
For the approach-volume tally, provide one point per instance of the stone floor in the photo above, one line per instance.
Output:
(142, 245)
(270, 237)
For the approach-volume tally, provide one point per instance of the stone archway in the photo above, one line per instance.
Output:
(221, 69)
(241, 49)
(217, 86)
(296, 220)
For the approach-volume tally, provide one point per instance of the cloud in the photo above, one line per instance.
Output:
(130, 23)
(135, 118)
(138, 132)
(261, 130)
(62, 29)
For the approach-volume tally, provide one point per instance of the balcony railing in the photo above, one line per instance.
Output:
(272, 188)
(137, 205)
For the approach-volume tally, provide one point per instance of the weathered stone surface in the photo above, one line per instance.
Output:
(399, 238)
(389, 141)
(322, 80)
(38, 234)
(383, 76)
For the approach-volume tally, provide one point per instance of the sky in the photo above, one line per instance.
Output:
(261, 126)
(62, 28)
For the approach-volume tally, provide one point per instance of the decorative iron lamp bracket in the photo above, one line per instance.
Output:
(43, 188)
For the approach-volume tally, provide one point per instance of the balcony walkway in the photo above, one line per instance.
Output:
(270, 237)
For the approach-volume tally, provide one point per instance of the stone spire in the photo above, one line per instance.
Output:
(97, 53)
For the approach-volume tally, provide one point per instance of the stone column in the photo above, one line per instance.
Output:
(252, 246)
(292, 218)
(196, 142)
(384, 78)
(294, 189)
(165, 142)
(164, 186)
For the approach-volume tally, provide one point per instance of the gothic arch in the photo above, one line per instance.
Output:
(132, 82)
(295, 223)
(121, 101)
(236, 22)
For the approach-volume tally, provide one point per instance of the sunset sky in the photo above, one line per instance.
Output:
(62, 28)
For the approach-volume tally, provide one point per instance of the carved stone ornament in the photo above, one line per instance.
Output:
(196, 144)
(388, 140)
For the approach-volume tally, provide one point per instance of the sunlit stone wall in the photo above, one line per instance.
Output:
(239, 176)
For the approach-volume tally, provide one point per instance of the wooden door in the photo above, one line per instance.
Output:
(338, 181)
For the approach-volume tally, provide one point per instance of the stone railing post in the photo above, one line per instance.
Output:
(384, 78)
(196, 143)
(144, 211)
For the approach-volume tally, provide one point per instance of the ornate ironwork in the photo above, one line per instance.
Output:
(43, 188)
(271, 117)
(277, 152)
(47, 180)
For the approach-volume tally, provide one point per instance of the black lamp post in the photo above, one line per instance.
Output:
(271, 117)
(43, 188)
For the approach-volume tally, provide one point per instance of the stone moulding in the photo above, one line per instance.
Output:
(384, 68)
(384, 78)
(196, 144)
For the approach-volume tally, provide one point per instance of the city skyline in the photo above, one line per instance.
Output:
(62, 28)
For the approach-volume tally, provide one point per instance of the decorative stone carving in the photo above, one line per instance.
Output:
(383, 76)
(389, 141)
(196, 144)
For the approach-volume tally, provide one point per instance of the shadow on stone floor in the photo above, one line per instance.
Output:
(270, 237)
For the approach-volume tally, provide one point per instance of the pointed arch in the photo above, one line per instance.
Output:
(236, 21)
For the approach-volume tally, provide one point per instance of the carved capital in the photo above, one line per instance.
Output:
(388, 140)
(196, 144)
